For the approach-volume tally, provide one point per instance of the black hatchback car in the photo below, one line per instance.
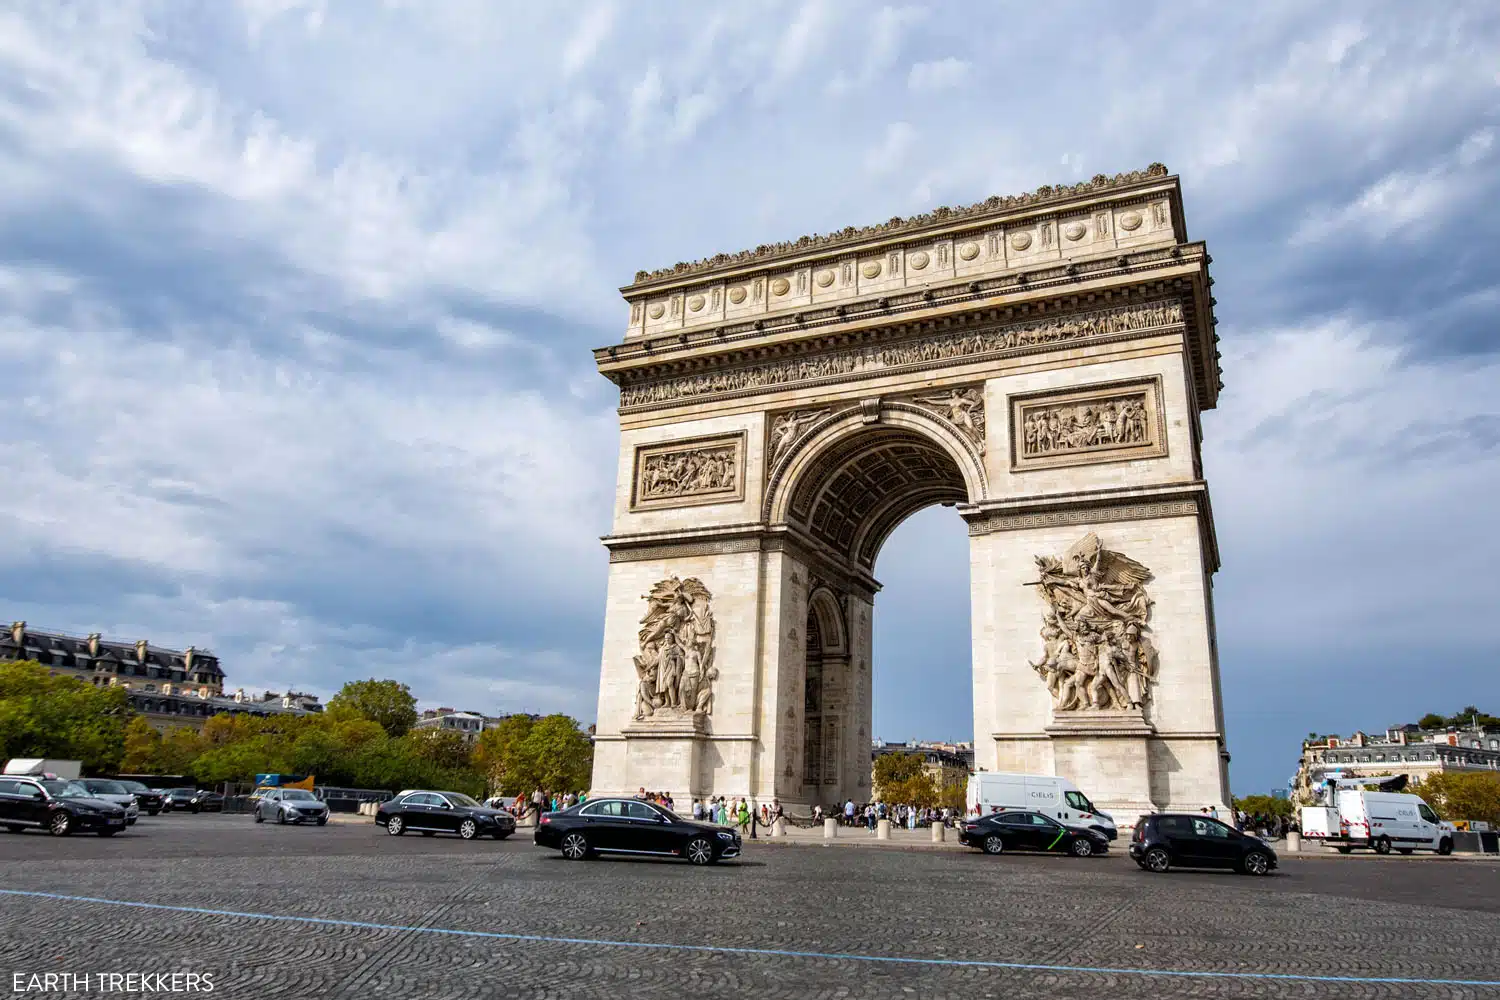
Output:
(432, 813)
(633, 826)
(56, 806)
(1164, 840)
(1021, 830)
(150, 800)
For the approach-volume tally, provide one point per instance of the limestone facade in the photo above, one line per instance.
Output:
(1038, 363)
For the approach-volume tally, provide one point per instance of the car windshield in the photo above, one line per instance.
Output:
(105, 787)
(298, 795)
(55, 786)
(460, 799)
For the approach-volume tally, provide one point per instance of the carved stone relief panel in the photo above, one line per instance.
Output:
(786, 429)
(689, 472)
(1097, 655)
(675, 666)
(963, 407)
(1116, 422)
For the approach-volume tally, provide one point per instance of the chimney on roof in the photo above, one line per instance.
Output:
(94, 638)
(187, 658)
(17, 632)
(140, 650)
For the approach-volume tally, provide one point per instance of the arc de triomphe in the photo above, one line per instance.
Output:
(1037, 362)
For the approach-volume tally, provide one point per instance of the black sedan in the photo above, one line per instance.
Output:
(150, 800)
(1162, 840)
(633, 826)
(432, 813)
(193, 800)
(57, 807)
(1029, 831)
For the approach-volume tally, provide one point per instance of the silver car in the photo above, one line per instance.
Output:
(291, 805)
(110, 791)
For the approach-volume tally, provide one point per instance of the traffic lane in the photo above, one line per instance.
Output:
(955, 906)
(1448, 883)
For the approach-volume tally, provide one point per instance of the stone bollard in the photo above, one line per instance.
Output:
(1293, 842)
(778, 827)
(939, 833)
(883, 829)
(830, 828)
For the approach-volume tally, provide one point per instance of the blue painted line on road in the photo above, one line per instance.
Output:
(756, 952)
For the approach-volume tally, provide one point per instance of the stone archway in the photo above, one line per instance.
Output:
(1038, 364)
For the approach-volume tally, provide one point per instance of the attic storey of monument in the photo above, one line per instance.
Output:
(1037, 363)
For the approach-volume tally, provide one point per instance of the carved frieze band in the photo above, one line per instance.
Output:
(1116, 422)
(689, 472)
(871, 360)
(1081, 515)
(683, 550)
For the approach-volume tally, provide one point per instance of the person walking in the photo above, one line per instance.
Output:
(537, 800)
(849, 812)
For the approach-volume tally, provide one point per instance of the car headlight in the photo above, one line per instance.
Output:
(725, 835)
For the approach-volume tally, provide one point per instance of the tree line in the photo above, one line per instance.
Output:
(366, 738)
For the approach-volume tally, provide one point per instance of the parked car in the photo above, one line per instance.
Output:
(1024, 830)
(291, 805)
(633, 826)
(194, 800)
(57, 806)
(150, 800)
(1162, 840)
(109, 791)
(991, 792)
(430, 813)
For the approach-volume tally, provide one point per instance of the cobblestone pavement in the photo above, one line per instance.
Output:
(437, 898)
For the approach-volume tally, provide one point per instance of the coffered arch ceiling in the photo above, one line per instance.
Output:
(856, 493)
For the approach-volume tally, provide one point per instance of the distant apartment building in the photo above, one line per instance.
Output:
(1406, 749)
(470, 724)
(170, 687)
(945, 763)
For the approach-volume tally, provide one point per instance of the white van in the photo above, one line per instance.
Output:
(1044, 793)
(1377, 820)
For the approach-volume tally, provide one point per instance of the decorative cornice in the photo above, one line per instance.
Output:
(960, 343)
(1045, 195)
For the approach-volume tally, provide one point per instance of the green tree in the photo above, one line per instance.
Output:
(1462, 794)
(891, 770)
(389, 703)
(498, 753)
(42, 715)
(444, 749)
(1432, 721)
(142, 747)
(560, 753)
(1265, 805)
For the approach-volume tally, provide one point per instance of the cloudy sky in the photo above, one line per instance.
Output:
(296, 300)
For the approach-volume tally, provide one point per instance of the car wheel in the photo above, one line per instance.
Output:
(107, 833)
(993, 844)
(258, 817)
(280, 818)
(1081, 847)
(1383, 845)
(575, 847)
(1255, 863)
(1157, 860)
(468, 829)
(699, 851)
(1445, 846)
(60, 825)
(395, 826)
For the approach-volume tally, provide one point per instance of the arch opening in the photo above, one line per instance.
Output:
(858, 489)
